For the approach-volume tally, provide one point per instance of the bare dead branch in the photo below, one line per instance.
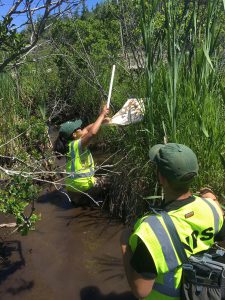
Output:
(57, 184)
(14, 8)
(47, 9)
(30, 17)
(92, 81)
(14, 138)
(8, 225)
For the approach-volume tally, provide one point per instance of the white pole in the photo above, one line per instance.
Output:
(110, 87)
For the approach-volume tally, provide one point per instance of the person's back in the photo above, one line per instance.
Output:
(151, 262)
(80, 166)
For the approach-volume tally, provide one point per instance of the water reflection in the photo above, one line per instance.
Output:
(11, 258)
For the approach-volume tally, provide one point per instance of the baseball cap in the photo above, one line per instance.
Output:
(176, 162)
(67, 128)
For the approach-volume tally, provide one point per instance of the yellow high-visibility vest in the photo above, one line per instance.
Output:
(196, 223)
(79, 168)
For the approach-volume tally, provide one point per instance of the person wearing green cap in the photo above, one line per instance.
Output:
(150, 258)
(73, 141)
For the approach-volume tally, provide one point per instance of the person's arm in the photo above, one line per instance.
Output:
(207, 193)
(93, 128)
(88, 127)
(106, 120)
(140, 286)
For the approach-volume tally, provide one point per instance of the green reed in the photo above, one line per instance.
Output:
(185, 79)
(184, 97)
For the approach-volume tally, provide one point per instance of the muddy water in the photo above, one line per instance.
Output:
(73, 254)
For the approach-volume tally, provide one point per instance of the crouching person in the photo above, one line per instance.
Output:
(73, 141)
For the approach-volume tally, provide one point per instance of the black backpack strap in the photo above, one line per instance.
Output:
(174, 236)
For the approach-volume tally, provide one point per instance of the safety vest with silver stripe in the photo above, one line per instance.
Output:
(79, 166)
(196, 223)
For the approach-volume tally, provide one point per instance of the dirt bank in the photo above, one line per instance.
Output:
(73, 254)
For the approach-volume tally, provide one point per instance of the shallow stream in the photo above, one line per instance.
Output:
(73, 254)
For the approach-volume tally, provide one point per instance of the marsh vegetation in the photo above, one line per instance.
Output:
(168, 52)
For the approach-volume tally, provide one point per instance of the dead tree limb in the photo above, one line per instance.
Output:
(47, 10)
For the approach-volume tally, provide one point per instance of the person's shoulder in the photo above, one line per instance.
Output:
(139, 221)
(212, 200)
(207, 193)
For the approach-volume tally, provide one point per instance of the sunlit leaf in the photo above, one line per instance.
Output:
(207, 56)
(204, 130)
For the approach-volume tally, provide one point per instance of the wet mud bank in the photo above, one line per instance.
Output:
(73, 254)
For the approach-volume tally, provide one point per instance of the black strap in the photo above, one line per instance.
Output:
(174, 236)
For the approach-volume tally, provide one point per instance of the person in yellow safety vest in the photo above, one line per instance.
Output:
(73, 142)
(151, 263)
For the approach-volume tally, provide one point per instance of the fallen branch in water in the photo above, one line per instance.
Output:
(8, 225)
(39, 175)
(57, 184)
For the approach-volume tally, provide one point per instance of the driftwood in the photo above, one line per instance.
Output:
(9, 225)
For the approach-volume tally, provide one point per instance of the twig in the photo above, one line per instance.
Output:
(8, 225)
(49, 9)
(15, 137)
(54, 183)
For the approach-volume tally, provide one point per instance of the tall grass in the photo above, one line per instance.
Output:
(184, 98)
(8, 108)
(185, 82)
(22, 129)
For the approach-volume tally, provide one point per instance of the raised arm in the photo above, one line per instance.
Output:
(93, 128)
(88, 127)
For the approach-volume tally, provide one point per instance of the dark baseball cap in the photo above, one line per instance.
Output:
(67, 128)
(176, 162)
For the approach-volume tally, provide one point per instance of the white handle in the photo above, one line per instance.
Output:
(110, 87)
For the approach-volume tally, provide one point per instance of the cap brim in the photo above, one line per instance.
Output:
(154, 151)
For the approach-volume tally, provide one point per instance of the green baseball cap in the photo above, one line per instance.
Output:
(176, 162)
(67, 128)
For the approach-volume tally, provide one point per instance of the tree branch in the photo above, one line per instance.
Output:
(49, 9)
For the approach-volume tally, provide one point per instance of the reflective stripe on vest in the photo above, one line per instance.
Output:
(168, 288)
(152, 231)
(75, 174)
(163, 237)
(215, 215)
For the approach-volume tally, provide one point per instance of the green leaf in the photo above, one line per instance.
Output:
(222, 90)
(207, 56)
(42, 109)
(204, 130)
(152, 197)
(222, 160)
